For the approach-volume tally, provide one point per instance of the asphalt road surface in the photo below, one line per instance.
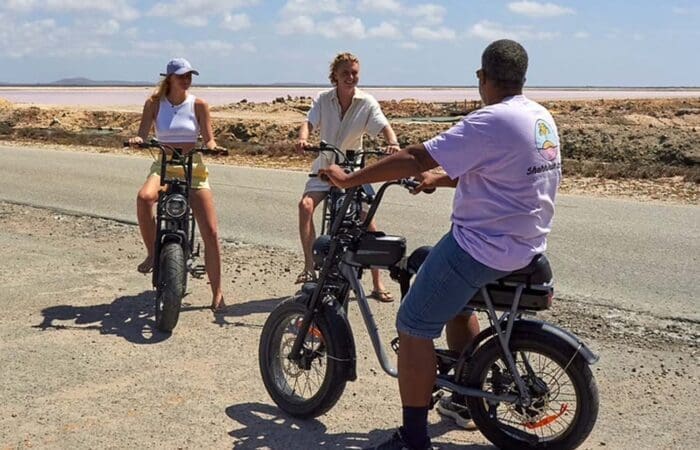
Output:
(632, 255)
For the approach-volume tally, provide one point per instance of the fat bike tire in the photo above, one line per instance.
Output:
(172, 279)
(302, 391)
(574, 425)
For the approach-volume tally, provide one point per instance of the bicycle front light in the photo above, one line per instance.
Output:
(176, 206)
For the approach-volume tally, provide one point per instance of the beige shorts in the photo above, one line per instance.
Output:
(200, 173)
(315, 184)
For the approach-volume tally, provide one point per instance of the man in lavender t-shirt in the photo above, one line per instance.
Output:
(505, 164)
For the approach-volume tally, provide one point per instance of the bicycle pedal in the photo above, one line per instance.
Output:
(436, 398)
(198, 271)
(395, 345)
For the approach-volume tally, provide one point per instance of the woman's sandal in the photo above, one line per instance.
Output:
(382, 296)
(305, 277)
(221, 307)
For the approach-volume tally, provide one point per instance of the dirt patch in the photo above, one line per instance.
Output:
(650, 140)
(83, 367)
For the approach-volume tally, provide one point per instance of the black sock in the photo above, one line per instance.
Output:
(415, 427)
(459, 399)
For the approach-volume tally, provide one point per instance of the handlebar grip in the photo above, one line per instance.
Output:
(412, 183)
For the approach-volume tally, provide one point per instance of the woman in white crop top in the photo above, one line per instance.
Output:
(179, 118)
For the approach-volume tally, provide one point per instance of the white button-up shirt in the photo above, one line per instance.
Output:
(344, 131)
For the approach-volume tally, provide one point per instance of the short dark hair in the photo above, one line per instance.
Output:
(505, 62)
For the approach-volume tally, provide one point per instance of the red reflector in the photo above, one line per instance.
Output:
(547, 420)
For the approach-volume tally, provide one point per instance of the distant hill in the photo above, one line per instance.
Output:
(80, 81)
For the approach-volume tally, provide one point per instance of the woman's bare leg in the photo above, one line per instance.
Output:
(145, 202)
(205, 213)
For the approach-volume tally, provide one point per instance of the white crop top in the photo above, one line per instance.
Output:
(177, 124)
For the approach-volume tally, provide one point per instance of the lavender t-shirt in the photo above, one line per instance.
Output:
(507, 159)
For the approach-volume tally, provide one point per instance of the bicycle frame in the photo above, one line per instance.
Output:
(501, 327)
(168, 228)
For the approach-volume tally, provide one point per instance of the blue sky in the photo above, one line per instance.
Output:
(399, 42)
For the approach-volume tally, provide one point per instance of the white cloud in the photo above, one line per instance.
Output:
(385, 30)
(236, 22)
(433, 34)
(581, 35)
(193, 21)
(491, 31)
(347, 27)
(684, 11)
(47, 39)
(343, 26)
(213, 45)
(311, 7)
(108, 27)
(536, 9)
(20, 6)
(195, 12)
(379, 5)
(248, 47)
(296, 25)
(167, 47)
(120, 9)
(428, 13)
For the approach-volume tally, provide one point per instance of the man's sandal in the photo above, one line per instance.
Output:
(305, 277)
(382, 296)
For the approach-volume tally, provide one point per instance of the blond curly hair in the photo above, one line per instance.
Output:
(338, 60)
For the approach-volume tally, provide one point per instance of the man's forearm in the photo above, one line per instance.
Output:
(409, 162)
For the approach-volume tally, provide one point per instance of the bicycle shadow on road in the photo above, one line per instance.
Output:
(129, 316)
(266, 426)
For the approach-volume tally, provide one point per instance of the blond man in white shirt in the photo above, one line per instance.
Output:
(342, 115)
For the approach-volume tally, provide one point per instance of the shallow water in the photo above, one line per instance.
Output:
(129, 96)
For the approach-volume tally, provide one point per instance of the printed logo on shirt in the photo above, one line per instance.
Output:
(546, 140)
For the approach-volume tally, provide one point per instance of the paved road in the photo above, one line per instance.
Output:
(638, 256)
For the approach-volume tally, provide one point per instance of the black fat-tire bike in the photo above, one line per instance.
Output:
(174, 254)
(528, 383)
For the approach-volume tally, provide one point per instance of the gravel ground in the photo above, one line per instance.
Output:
(82, 366)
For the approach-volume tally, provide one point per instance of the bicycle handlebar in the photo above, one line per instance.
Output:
(412, 183)
(161, 146)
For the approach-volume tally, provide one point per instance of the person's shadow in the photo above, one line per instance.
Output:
(266, 426)
(227, 317)
(130, 317)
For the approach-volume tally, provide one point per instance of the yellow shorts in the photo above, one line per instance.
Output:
(200, 173)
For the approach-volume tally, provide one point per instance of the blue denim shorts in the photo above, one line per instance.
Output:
(446, 281)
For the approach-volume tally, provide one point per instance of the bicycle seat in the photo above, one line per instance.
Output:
(417, 258)
(537, 272)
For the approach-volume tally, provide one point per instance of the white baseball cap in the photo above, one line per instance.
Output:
(178, 66)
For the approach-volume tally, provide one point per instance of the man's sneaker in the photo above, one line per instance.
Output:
(397, 443)
(459, 413)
